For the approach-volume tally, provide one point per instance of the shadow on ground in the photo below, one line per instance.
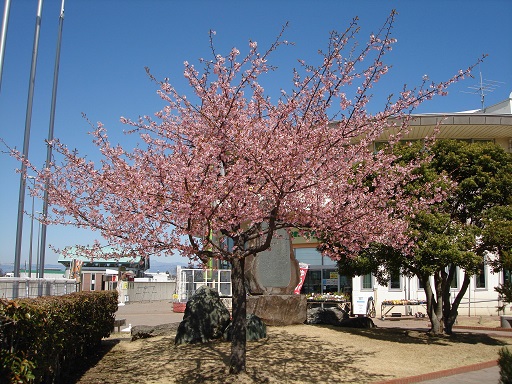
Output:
(408, 336)
(284, 357)
(80, 367)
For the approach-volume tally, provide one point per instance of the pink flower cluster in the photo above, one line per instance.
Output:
(235, 164)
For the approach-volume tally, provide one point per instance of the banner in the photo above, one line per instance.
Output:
(303, 271)
(75, 269)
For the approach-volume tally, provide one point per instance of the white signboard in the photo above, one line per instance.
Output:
(360, 301)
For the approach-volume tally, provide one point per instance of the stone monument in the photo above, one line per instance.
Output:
(271, 278)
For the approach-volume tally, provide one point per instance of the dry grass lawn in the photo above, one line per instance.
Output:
(295, 354)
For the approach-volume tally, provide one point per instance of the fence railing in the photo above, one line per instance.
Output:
(189, 280)
(16, 287)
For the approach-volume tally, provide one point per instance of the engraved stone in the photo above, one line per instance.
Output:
(273, 267)
(274, 271)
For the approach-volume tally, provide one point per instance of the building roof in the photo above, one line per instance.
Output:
(131, 261)
(503, 107)
(494, 122)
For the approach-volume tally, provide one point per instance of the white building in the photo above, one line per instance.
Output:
(494, 124)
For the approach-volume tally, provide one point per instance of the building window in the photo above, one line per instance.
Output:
(313, 282)
(367, 281)
(330, 281)
(328, 261)
(507, 276)
(93, 281)
(395, 281)
(480, 277)
(455, 281)
(309, 256)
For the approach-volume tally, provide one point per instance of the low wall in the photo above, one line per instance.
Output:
(138, 291)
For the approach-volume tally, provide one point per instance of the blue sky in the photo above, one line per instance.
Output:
(107, 43)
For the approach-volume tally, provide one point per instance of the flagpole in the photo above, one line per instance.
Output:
(26, 142)
(49, 144)
(3, 37)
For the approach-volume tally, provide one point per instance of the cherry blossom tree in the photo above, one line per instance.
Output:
(228, 161)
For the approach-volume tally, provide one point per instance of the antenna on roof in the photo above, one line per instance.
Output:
(484, 87)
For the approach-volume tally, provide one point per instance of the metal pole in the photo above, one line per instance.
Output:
(469, 300)
(49, 143)
(38, 239)
(26, 142)
(3, 37)
(31, 231)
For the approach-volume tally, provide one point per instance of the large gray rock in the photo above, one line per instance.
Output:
(205, 318)
(331, 316)
(278, 309)
(337, 317)
(147, 331)
(256, 329)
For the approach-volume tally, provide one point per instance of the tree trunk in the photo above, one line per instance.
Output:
(446, 285)
(434, 307)
(238, 343)
(451, 311)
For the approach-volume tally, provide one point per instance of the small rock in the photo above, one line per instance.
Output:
(256, 329)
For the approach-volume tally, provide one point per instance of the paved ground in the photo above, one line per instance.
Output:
(487, 375)
(160, 312)
(472, 374)
(148, 313)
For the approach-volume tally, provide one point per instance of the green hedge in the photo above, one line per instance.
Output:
(40, 338)
(505, 364)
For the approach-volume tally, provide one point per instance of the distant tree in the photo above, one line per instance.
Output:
(505, 292)
(2, 273)
(497, 238)
(459, 232)
(228, 162)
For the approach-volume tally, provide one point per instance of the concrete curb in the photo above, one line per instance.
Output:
(441, 374)
(475, 328)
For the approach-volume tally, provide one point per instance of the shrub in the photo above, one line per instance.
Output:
(40, 338)
(505, 363)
